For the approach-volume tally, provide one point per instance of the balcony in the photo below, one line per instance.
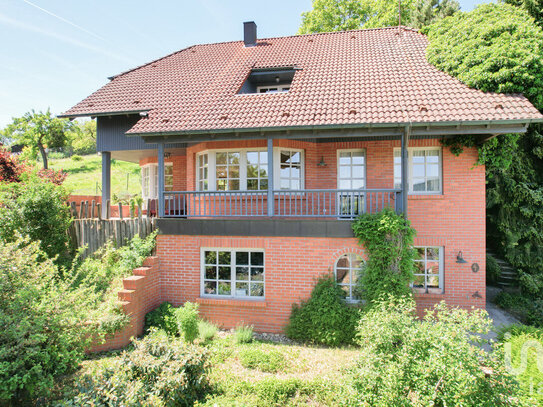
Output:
(314, 203)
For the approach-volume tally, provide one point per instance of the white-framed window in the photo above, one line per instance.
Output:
(424, 170)
(273, 89)
(428, 272)
(346, 272)
(202, 168)
(149, 180)
(248, 169)
(351, 169)
(289, 168)
(230, 273)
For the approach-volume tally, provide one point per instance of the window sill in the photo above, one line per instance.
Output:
(231, 302)
(430, 295)
(425, 197)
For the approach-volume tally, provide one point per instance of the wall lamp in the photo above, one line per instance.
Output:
(322, 163)
(460, 258)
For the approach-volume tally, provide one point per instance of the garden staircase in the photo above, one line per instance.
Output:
(508, 279)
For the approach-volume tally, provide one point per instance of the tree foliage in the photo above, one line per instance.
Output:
(38, 130)
(37, 208)
(82, 138)
(495, 48)
(340, 15)
(499, 48)
(388, 240)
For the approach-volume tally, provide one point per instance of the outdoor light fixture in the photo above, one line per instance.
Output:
(322, 163)
(277, 79)
(460, 258)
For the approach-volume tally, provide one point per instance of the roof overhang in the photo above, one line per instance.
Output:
(429, 129)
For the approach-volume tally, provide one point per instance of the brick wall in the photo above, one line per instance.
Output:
(140, 294)
(454, 220)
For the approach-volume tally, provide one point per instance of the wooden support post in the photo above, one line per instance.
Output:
(106, 181)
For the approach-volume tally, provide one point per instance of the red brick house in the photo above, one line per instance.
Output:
(259, 152)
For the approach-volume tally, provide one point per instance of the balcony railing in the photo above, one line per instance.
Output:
(314, 203)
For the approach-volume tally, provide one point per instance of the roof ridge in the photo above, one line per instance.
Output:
(405, 28)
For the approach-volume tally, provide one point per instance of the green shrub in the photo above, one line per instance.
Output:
(527, 309)
(42, 333)
(243, 334)
(324, 318)
(519, 329)
(37, 208)
(206, 330)
(76, 157)
(187, 321)
(493, 270)
(163, 318)
(160, 371)
(405, 361)
(387, 238)
(265, 360)
(514, 339)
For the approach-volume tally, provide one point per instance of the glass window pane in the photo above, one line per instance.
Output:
(285, 184)
(342, 276)
(252, 157)
(295, 172)
(211, 273)
(211, 257)
(358, 184)
(295, 184)
(358, 171)
(344, 172)
(417, 171)
(345, 184)
(221, 158)
(233, 171)
(233, 185)
(257, 258)
(285, 157)
(358, 158)
(221, 171)
(296, 157)
(419, 185)
(257, 290)
(224, 288)
(432, 170)
(242, 273)
(418, 281)
(432, 185)
(257, 274)
(224, 258)
(210, 287)
(242, 258)
(432, 253)
(433, 281)
(224, 273)
(242, 289)
(263, 184)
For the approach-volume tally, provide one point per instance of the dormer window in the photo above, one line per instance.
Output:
(272, 80)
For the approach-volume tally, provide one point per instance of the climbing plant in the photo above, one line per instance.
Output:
(387, 238)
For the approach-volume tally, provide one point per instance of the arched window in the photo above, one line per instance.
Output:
(346, 272)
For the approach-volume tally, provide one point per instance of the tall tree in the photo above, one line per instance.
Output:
(39, 131)
(339, 15)
(499, 48)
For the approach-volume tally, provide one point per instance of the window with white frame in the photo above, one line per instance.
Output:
(273, 89)
(149, 180)
(233, 273)
(346, 271)
(248, 169)
(428, 273)
(424, 170)
(351, 169)
(290, 165)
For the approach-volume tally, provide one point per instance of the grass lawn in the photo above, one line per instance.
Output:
(264, 373)
(85, 175)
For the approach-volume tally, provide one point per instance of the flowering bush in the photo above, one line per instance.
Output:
(11, 168)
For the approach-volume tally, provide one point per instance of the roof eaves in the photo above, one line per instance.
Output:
(96, 114)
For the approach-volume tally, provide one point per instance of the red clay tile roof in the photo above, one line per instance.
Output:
(355, 77)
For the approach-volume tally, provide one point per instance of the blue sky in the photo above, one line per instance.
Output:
(56, 52)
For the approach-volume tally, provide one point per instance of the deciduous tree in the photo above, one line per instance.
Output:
(39, 131)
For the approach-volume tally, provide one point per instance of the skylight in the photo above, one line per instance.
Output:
(273, 80)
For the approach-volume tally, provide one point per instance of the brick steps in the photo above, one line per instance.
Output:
(137, 297)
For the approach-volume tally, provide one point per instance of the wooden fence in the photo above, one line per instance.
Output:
(91, 230)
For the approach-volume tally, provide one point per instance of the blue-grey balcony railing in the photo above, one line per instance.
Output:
(307, 203)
